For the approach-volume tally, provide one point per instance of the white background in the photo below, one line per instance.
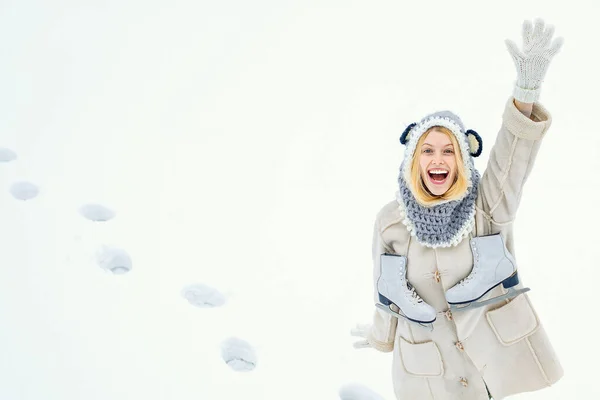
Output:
(248, 146)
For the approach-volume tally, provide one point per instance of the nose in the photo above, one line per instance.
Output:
(438, 159)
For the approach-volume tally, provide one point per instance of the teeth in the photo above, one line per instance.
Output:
(438, 171)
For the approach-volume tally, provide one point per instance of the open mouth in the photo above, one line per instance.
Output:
(437, 176)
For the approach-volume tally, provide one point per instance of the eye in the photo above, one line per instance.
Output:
(449, 151)
(427, 151)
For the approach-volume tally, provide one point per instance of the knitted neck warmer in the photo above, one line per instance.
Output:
(448, 222)
(442, 225)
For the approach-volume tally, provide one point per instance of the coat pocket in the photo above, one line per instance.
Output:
(513, 321)
(420, 359)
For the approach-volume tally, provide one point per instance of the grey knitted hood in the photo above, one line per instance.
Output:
(446, 223)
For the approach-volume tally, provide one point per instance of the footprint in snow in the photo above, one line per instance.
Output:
(24, 190)
(355, 391)
(96, 212)
(238, 354)
(203, 296)
(113, 260)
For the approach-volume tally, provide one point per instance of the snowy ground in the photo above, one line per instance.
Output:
(241, 151)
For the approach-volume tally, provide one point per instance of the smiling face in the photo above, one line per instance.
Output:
(437, 162)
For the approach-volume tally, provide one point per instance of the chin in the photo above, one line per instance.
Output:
(437, 192)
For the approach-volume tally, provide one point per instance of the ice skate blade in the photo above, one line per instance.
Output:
(512, 293)
(425, 324)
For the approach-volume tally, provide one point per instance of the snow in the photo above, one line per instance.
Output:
(24, 190)
(114, 260)
(96, 212)
(236, 154)
(7, 155)
(238, 354)
(203, 296)
(356, 391)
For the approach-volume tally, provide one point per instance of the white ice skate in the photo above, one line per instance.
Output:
(394, 288)
(493, 265)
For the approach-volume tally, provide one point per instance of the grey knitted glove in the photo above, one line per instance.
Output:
(361, 330)
(532, 62)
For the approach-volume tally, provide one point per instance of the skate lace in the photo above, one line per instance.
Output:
(414, 296)
(475, 263)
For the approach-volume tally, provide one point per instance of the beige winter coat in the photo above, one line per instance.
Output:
(503, 346)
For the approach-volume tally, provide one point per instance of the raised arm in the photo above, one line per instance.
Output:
(524, 124)
(511, 161)
(524, 108)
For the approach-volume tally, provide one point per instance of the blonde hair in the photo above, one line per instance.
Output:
(454, 192)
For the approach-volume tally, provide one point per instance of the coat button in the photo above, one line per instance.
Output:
(459, 346)
(448, 314)
(463, 381)
(437, 276)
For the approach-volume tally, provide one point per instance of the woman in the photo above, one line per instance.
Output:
(497, 349)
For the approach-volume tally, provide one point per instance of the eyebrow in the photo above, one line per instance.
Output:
(449, 144)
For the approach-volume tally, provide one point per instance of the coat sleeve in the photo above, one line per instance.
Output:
(383, 329)
(510, 162)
